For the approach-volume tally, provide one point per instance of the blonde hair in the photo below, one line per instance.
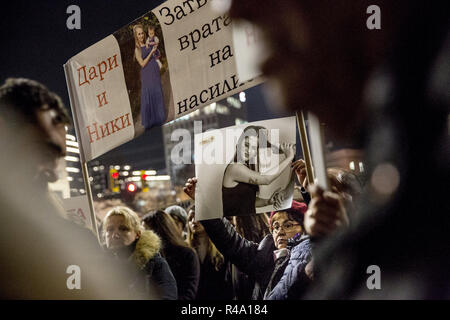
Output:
(130, 218)
(136, 41)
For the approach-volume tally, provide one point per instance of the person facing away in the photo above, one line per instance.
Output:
(215, 278)
(179, 216)
(182, 259)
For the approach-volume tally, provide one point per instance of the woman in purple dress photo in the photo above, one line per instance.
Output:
(153, 111)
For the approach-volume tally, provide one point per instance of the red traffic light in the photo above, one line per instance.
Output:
(115, 175)
(144, 176)
(131, 187)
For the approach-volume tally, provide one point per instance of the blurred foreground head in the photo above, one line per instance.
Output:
(38, 248)
(33, 118)
(321, 53)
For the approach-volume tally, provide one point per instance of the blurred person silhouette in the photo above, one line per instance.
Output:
(179, 216)
(253, 228)
(278, 263)
(182, 259)
(40, 251)
(215, 279)
(131, 244)
(389, 88)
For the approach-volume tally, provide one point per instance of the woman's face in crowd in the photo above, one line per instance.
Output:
(140, 35)
(195, 226)
(118, 234)
(248, 149)
(284, 228)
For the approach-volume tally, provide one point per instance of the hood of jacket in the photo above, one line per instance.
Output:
(147, 246)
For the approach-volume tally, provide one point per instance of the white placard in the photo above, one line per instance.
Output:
(216, 151)
(167, 63)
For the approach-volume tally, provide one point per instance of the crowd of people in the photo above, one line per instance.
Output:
(396, 89)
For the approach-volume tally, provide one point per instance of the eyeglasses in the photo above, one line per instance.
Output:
(288, 226)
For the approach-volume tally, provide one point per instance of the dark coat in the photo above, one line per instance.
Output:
(290, 278)
(153, 269)
(185, 267)
(214, 284)
(256, 260)
(406, 234)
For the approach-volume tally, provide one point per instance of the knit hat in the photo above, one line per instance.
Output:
(296, 211)
(177, 211)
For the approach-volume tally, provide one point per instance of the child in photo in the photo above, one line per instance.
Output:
(153, 41)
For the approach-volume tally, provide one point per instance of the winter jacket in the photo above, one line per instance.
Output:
(293, 281)
(256, 260)
(153, 269)
(185, 267)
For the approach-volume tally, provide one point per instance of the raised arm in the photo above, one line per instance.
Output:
(246, 255)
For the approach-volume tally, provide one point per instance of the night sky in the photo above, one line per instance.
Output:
(35, 42)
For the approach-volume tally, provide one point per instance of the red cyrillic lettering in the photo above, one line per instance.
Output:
(84, 76)
(103, 131)
(91, 133)
(127, 123)
(111, 66)
(114, 125)
(92, 73)
(102, 99)
(102, 72)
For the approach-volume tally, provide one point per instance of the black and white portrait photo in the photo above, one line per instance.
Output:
(247, 167)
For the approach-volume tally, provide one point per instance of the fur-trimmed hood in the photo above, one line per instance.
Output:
(147, 246)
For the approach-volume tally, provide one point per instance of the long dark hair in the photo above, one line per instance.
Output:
(213, 254)
(163, 225)
(253, 228)
(252, 131)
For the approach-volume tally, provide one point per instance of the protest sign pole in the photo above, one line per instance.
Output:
(84, 168)
(318, 151)
(305, 146)
(90, 199)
